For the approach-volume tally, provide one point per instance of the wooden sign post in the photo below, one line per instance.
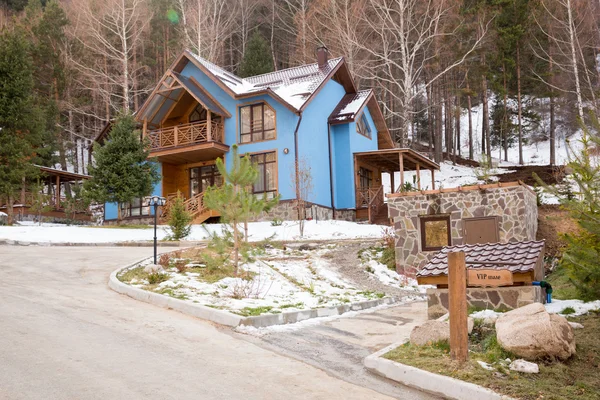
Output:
(457, 297)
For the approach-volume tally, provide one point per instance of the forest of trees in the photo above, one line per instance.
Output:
(533, 66)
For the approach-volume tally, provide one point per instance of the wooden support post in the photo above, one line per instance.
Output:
(419, 176)
(145, 128)
(432, 179)
(176, 135)
(57, 194)
(392, 181)
(401, 171)
(209, 125)
(457, 298)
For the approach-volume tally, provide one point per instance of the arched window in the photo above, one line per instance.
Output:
(198, 114)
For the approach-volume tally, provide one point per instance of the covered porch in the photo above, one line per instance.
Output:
(54, 189)
(369, 167)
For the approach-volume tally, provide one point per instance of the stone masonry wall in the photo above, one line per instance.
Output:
(286, 211)
(499, 299)
(516, 207)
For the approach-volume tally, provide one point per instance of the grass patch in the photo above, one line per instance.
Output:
(568, 311)
(133, 273)
(253, 311)
(296, 305)
(562, 287)
(577, 378)
(156, 278)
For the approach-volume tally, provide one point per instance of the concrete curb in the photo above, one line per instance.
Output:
(230, 319)
(195, 310)
(445, 386)
(9, 242)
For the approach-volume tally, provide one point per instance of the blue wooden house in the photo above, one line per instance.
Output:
(311, 114)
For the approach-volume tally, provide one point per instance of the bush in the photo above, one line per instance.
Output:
(276, 222)
(164, 260)
(157, 277)
(180, 221)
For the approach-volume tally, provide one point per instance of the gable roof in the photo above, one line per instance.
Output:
(350, 106)
(517, 257)
(294, 86)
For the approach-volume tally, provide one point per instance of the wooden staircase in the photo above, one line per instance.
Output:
(194, 205)
(381, 217)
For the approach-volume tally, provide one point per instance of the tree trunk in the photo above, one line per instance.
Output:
(486, 124)
(519, 105)
(505, 123)
(10, 210)
(552, 132)
(469, 105)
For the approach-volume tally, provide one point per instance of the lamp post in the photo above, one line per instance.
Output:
(156, 201)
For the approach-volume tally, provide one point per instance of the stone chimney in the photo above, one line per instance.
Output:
(322, 56)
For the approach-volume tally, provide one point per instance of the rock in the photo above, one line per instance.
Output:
(531, 332)
(524, 366)
(153, 269)
(485, 365)
(576, 325)
(470, 321)
(430, 332)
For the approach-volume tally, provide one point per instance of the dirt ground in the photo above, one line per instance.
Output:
(550, 175)
(552, 224)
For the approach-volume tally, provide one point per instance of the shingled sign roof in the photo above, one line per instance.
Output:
(517, 257)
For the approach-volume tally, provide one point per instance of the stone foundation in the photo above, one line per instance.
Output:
(499, 299)
(286, 211)
(145, 220)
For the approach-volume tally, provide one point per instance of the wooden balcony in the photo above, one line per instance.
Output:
(198, 141)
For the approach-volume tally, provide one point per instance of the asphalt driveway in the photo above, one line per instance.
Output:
(65, 335)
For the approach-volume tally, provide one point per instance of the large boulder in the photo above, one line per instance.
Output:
(532, 333)
(430, 332)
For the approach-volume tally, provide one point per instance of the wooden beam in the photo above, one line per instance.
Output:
(57, 194)
(145, 128)
(401, 161)
(209, 125)
(457, 299)
(392, 181)
(418, 176)
(432, 179)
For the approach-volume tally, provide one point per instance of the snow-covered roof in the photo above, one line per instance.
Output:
(349, 106)
(293, 85)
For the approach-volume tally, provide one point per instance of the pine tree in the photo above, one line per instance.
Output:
(179, 219)
(257, 59)
(233, 200)
(583, 250)
(122, 171)
(20, 128)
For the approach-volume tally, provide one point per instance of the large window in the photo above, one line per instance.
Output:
(435, 232)
(267, 174)
(198, 114)
(363, 127)
(137, 208)
(366, 178)
(257, 123)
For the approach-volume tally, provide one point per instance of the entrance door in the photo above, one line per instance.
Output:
(203, 177)
(480, 230)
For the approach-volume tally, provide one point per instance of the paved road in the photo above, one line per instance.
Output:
(65, 335)
(339, 346)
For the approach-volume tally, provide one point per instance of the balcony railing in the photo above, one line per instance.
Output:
(185, 135)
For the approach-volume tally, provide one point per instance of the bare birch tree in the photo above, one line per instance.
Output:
(111, 32)
(404, 31)
(206, 25)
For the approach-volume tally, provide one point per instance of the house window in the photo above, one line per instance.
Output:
(435, 232)
(257, 123)
(198, 114)
(363, 127)
(137, 208)
(266, 184)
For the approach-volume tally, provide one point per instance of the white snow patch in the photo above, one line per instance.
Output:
(580, 307)
(257, 231)
(485, 314)
(388, 277)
